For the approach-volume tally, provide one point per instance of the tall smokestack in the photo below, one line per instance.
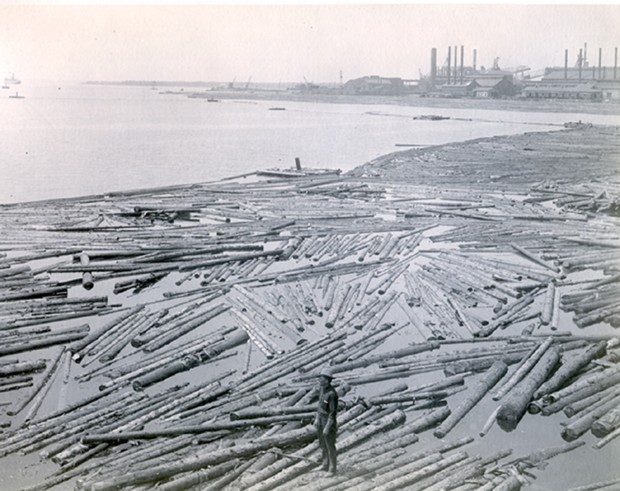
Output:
(600, 66)
(565, 64)
(462, 56)
(615, 62)
(475, 58)
(433, 66)
(580, 62)
(455, 69)
(585, 55)
(449, 62)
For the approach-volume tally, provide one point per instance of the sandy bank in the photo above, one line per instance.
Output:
(609, 108)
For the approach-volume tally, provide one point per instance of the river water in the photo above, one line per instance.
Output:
(70, 140)
(66, 140)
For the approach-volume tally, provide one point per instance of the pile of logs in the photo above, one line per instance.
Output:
(172, 337)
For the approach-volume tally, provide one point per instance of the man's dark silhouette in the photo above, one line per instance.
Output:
(326, 424)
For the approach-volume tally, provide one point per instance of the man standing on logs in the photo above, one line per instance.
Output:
(326, 420)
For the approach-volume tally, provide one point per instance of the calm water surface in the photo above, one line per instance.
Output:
(67, 140)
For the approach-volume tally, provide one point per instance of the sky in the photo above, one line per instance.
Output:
(290, 42)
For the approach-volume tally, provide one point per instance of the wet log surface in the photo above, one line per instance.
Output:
(435, 282)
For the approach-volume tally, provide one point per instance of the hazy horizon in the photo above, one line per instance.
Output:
(291, 43)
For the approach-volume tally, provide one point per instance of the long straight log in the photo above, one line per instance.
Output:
(39, 386)
(46, 341)
(606, 423)
(575, 396)
(20, 368)
(535, 259)
(481, 364)
(513, 409)
(271, 412)
(587, 402)
(77, 347)
(523, 369)
(575, 429)
(410, 398)
(516, 308)
(187, 327)
(189, 361)
(357, 474)
(601, 485)
(95, 438)
(412, 477)
(369, 360)
(491, 377)
(584, 382)
(133, 371)
(199, 461)
(570, 368)
(547, 311)
(451, 477)
(606, 439)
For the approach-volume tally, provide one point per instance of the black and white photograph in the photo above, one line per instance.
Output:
(319, 247)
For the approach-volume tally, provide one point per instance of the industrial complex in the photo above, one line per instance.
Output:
(582, 80)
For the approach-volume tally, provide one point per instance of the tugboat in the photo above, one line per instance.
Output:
(16, 96)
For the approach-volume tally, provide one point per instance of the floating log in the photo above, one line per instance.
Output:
(188, 326)
(584, 382)
(270, 412)
(491, 377)
(547, 312)
(184, 430)
(578, 406)
(58, 337)
(189, 361)
(606, 423)
(596, 486)
(412, 476)
(22, 367)
(575, 429)
(570, 368)
(481, 364)
(523, 369)
(77, 348)
(512, 410)
(592, 388)
(369, 360)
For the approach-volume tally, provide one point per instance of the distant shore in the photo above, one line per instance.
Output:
(552, 105)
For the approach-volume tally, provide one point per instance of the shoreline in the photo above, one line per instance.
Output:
(554, 105)
(436, 249)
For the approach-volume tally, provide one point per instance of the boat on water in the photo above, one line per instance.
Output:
(5, 87)
(12, 80)
(277, 109)
(294, 172)
(16, 96)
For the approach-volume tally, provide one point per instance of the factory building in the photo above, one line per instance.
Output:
(575, 91)
(495, 87)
